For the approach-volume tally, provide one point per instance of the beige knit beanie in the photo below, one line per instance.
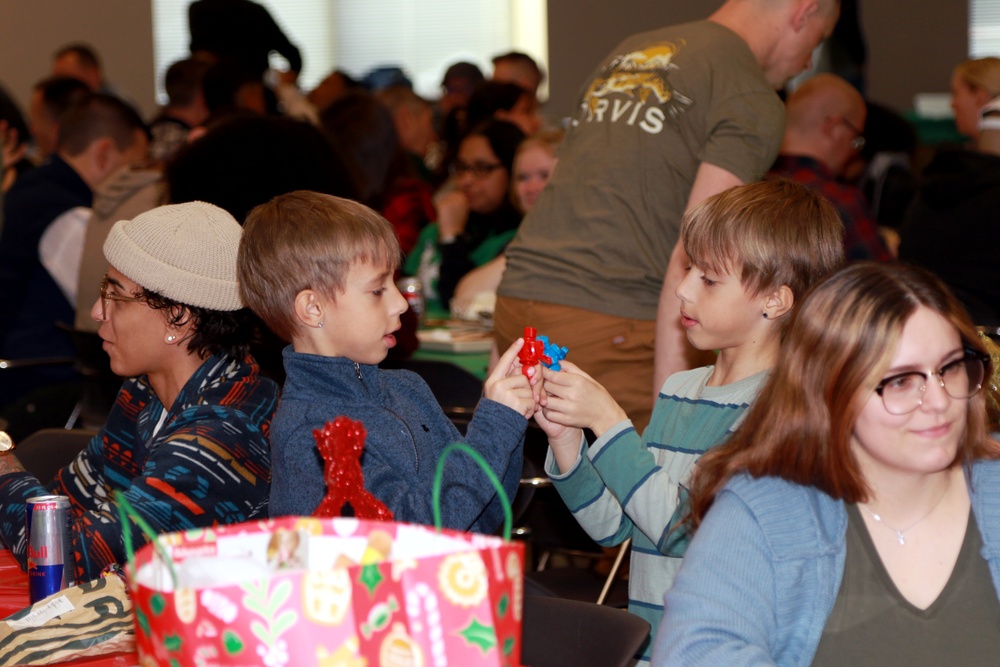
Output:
(186, 252)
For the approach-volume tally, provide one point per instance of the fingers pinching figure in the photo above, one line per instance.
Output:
(538, 349)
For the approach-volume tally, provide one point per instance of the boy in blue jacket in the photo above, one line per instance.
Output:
(319, 271)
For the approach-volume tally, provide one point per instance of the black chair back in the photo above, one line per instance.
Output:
(457, 390)
(45, 452)
(568, 633)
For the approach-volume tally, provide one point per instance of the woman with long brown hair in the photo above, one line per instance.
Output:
(854, 518)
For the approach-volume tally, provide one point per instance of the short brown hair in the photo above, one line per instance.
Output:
(183, 81)
(771, 233)
(85, 53)
(307, 240)
(98, 116)
(840, 343)
(523, 62)
(60, 93)
(399, 95)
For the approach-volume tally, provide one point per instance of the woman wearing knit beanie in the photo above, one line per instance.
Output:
(186, 440)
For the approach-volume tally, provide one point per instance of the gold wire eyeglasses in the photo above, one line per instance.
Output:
(111, 296)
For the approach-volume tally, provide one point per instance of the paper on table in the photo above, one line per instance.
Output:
(444, 340)
(42, 615)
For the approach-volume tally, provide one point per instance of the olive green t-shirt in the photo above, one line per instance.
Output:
(601, 233)
(873, 624)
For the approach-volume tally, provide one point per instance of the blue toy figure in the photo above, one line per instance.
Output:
(555, 352)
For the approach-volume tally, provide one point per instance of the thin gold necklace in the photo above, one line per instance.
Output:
(900, 531)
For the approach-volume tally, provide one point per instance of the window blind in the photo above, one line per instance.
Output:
(421, 37)
(984, 28)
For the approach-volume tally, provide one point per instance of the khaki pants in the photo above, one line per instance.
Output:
(615, 351)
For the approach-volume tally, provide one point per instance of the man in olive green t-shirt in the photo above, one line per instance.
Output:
(670, 117)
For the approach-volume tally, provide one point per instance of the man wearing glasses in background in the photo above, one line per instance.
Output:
(824, 132)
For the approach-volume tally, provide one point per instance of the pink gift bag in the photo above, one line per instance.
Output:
(303, 591)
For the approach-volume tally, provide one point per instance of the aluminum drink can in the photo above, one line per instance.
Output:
(413, 292)
(50, 558)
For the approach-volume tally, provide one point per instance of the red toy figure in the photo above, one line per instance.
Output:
(341, 443)
(532, 352)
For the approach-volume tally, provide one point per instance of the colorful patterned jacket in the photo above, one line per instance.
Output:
(202, 463)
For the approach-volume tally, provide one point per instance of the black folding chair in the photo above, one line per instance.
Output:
(569, 633)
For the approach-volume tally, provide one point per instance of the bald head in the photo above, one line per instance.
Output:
(825, 117)
(820, 96)
(782, 34)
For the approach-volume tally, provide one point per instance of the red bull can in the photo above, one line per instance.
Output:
(413, 292)
(50, 557)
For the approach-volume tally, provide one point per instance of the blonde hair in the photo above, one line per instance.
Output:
(981, 74)
(770, 233)
(549, 141)
(307, 240)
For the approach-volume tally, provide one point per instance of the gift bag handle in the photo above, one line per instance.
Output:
(128, 513)
(508, 517)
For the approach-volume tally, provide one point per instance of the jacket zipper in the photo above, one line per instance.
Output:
(413, 440)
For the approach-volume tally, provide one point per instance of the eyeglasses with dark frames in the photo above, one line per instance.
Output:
(962, 378)
(111, 296)
(479, 170)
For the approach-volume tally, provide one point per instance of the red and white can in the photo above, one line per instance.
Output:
(50, 555)
(413, 291)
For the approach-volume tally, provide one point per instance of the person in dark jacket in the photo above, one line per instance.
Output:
(240, 29)
(319, 271)
(951, 229)
(44, 223)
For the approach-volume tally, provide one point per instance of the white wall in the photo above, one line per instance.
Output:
(120, 31)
